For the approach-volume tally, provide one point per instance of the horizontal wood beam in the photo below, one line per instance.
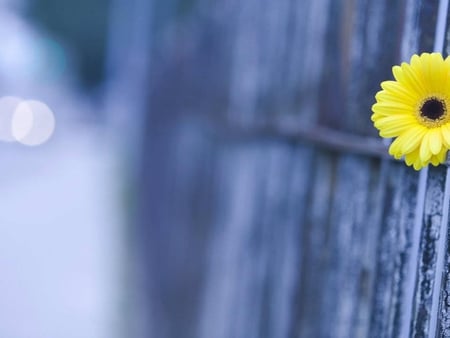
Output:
(323, 137)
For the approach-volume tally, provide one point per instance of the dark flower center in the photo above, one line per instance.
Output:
(433, 108)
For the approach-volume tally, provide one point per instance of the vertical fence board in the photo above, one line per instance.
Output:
(314, 223)
(227, 271)
(429, 250)
(395, 243)
(444, 306)
(343, 249)
(259, 238)
(262, 259)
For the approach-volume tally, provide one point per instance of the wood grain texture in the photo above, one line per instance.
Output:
(292, 235)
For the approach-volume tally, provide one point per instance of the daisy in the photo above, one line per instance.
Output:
(414, 109)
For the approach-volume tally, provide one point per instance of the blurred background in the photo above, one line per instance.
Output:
(202, 168)
(62, 214)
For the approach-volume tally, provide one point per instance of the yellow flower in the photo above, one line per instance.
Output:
(414, 109)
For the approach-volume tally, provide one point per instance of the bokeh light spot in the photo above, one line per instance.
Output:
(33, 123)
(8, 105)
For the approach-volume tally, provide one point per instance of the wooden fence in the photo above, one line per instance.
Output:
(267, 205)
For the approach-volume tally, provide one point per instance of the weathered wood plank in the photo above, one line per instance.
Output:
(433, 239)
(273, 238)
(314, 228)
(344, 270)
(363, 41)
(444, 306)
(394, 253)
(428, 255)
(255, 261)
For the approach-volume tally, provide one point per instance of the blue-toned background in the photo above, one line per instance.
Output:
(208, 169)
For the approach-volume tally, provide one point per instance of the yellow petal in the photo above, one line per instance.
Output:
(442, 156)
(435, 140)
(437, 72)
(412, 156)
(398, 73)
(447, 68)
(394, 131)
(418, 164)
(395, 148)
(390, 108)
(392, 120)
(389, 96)
(439, 158)
(390, 127)
(376, 116)
(403, 80)
(425, 151)
(411, 79)
(395, 88)
(445, 131)
(412, 139)
(417, 64)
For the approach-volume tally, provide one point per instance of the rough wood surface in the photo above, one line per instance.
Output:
(278, 237)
